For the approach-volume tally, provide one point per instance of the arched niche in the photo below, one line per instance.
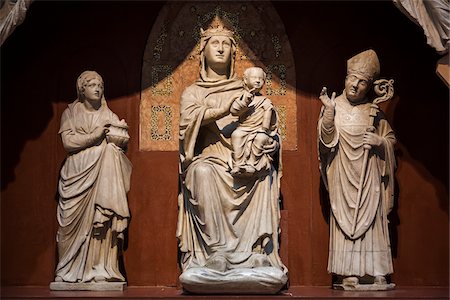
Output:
(171, 63)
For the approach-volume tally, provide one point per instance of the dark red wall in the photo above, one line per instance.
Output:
(58, 40)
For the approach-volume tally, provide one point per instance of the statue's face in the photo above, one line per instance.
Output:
(93, 90)
(218, 51)
(255, 79)
(356, 87)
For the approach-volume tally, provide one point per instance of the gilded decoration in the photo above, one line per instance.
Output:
(171, 57)
(161, 112)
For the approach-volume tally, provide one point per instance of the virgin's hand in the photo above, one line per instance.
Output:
(372, 139)
(224, 110)
(327, 101)
(271, 146)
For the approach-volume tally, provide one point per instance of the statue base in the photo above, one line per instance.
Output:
(87, 286)
(364, 287)
(261, 280)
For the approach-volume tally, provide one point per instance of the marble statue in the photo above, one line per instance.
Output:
(433, 17)
(92, 210)
(228, 226)
(357, 163)
(12, 14)
(256, 123)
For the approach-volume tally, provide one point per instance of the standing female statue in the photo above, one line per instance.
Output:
(227, 227)
(356, 148)
(95, 178)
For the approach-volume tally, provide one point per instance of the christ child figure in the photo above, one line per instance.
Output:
(256, 131)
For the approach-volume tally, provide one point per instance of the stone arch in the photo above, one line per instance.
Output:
(171, 63)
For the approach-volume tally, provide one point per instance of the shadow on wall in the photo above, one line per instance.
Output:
(35, 81)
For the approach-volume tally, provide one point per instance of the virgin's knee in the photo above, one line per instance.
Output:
(203, 171)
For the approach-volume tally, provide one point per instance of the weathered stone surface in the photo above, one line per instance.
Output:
(262, 280)
(88, 286)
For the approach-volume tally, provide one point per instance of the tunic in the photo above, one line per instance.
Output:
(368, 250)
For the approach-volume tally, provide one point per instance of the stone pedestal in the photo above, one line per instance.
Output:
(262, 280)
(364, 287)
(87, 286)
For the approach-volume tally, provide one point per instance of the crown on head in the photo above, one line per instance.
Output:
(216, 28)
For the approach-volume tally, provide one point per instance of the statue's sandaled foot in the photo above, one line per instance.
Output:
(115, 279)
(58, 279)
(99, 278)
(351, 280)
(260, 260)
(380, 280)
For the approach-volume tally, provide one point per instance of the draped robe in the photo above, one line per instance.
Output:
(219, 216)
(368, 251)
(92, 211)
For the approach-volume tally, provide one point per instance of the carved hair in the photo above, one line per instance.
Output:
(83, 81)
(248, 71)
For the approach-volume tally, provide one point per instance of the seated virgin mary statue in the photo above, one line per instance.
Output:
(228, 227)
